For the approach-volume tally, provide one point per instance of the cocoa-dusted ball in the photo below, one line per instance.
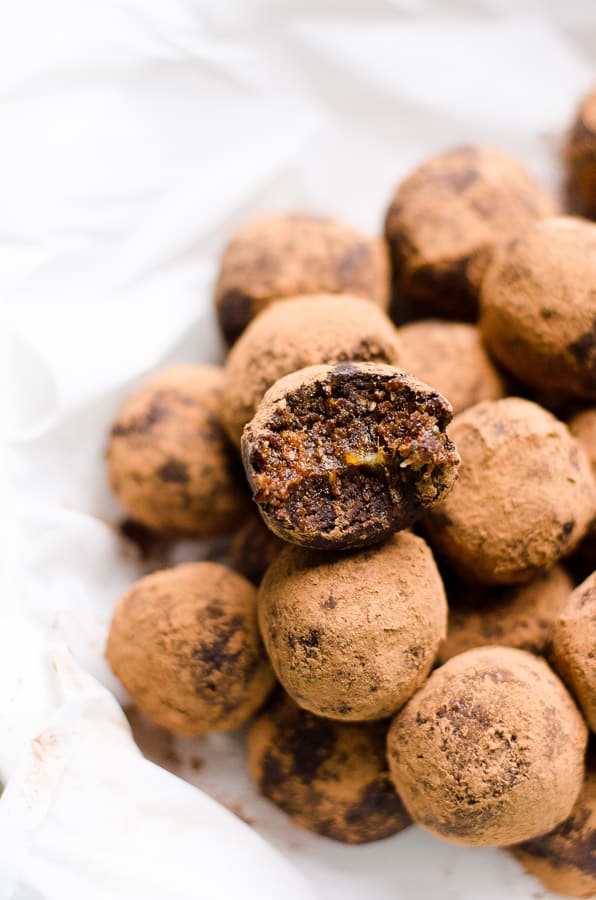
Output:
(344, 455)
(538, 307)
(170, 463)
(451, 357)
(574, 646)
(300, 332)
(524, 497)
(583, 427)
(564, 860)
(490, 750)
(446, 219)
(185, 644)
(580, 158)
(284, 255)
(329, 777)
(521, 617)
(351, 636)
(254, 548)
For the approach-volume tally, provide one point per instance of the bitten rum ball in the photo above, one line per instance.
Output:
(254, 548)
(538, 309)
(564, 860)
(574, 646)
(169, 460)
(329, 777)
(296, 333)
(490, 750)
(351, 636)
(521, 616)
(446, 219)
(284, 255)
(580, 158)
(344, 455)
(451, 357)
(185, 644)
(524, 497)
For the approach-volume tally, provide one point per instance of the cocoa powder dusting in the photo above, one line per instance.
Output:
(329, 777)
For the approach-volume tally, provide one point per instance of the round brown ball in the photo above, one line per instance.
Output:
(342, 456)
(169, 460)
(446, 219)
(185, 644)
(287, 254)
(451, 357)
(294, 334)
(524, 497)
(351, 636)
(583, 427)
(521, 617)
(490, 750)
(574, 646)
(538, 310)
(580, 158)
(564, 860)
(254, 548)
(329, 777)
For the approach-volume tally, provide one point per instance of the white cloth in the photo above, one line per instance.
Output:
(136, 135)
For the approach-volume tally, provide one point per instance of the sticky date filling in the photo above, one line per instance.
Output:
(360, 447)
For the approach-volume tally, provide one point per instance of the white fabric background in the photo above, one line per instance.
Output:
(136, 134)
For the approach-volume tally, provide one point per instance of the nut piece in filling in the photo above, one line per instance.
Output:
(342, 456)
(170, 462)
(514, 616)
(524, 497)
(447, 217)
(574, 646)
(352, 635)
(564, 860)
(580, 157)
(538, 307)
(329, 777)
(490, 750)
(300, 332)
(185, 644)
(284, 255)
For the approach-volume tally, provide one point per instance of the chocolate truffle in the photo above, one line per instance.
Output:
(447, 217)
(352, 635)
(451, 357)
(185, 644)
(329, 777)
(519, 617)
(538, 307)
(296, 333)
(524, 497)
(583, 427)
(254, 548)
(169, 460)
(288, 254)
(574, 646)
(490, 750)
(342, 456)
(580, 157)
(564, 860)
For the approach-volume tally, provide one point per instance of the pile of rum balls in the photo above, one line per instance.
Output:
(405, 622)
